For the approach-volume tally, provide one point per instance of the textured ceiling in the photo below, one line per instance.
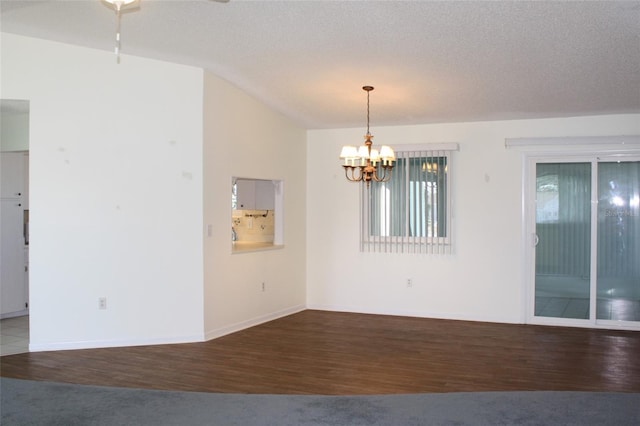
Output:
(429, 61)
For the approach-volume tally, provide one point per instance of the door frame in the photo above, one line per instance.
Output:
(572, 150)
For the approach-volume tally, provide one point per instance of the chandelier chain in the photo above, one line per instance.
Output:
(118, 6)
(368, 92)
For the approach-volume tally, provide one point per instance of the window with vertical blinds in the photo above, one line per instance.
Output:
(411, 213)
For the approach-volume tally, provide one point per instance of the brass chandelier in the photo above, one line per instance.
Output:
(366, 163)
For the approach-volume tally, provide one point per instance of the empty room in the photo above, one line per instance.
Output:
(320, 212)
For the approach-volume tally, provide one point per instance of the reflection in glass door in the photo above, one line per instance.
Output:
(618, 296)
(587, 263)
(563, 231)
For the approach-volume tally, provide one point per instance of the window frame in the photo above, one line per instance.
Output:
(405, 243)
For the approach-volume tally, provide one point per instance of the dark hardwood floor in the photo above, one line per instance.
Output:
(316, 352)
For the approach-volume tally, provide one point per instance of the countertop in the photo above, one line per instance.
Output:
(247, 246)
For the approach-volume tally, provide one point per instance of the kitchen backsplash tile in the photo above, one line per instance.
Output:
(255, 226)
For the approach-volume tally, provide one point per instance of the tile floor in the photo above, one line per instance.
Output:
(561, 296)
(14, 335)
(607, 309)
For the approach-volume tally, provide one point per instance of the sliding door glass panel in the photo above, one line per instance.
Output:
(618, 284)
(563, 231)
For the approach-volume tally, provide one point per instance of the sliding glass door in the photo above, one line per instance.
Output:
(563, 233)
(618, 267)
(587, 242)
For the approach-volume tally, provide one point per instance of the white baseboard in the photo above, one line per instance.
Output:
(212, 334)
(415, 314)
(95, 344)
(242, 325)
(232, 328)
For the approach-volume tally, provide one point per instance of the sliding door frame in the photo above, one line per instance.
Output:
(569, 153)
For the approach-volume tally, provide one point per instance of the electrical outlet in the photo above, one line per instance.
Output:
(409, 282)
(264, 286)
(102, 303)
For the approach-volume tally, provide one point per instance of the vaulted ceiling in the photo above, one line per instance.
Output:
(444, 61)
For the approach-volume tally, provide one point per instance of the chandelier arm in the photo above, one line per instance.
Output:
(362, 174)
(353, 169)
(346, 172)
(385, 176)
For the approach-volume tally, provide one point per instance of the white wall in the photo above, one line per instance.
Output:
(127, 176)
(243, 138)
(483, 279)
(116, 194)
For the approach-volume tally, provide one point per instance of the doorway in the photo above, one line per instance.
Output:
(584, 218)
(14, 215)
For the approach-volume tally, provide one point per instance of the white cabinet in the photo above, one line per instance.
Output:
(246, 194)
(12, 184)
(13, 263)
(265, 195)
(254, 194)
(12, 267)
